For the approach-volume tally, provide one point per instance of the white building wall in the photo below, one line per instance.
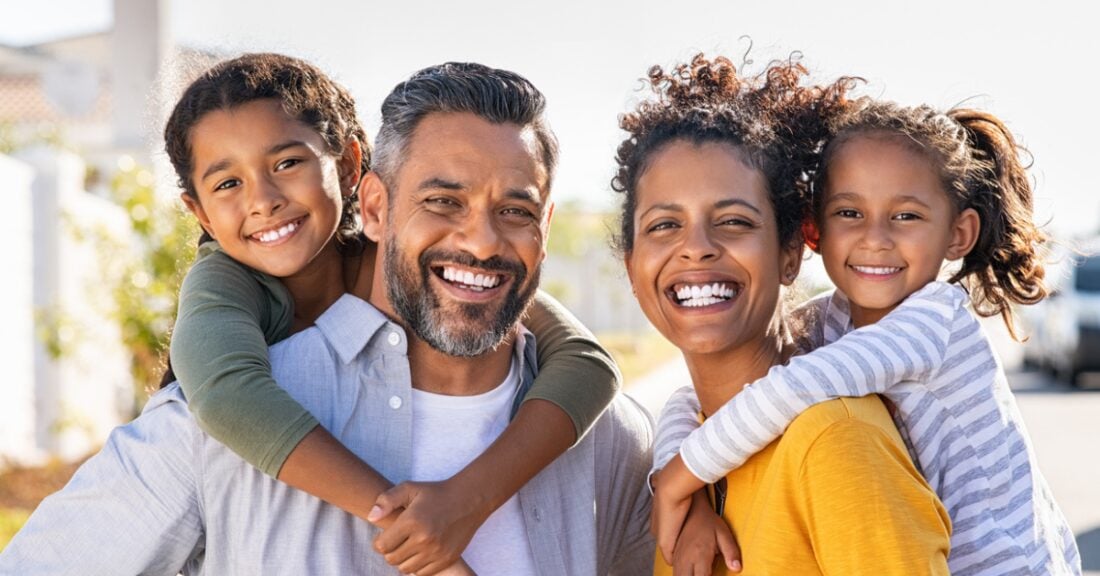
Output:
(17, 414)
(81, 394)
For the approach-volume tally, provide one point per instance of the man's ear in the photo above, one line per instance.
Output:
(964, 234)
(349, 167)
(196, 208)
(373, 198)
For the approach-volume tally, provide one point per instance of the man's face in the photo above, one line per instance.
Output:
(466, 219)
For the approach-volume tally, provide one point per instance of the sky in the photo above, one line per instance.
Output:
(1032, 64)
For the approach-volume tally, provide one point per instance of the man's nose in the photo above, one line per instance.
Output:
(479, 236)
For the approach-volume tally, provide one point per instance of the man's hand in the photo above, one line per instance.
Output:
(433, 526)
(704, 536)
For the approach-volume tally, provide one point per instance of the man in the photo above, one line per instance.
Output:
(460, 210)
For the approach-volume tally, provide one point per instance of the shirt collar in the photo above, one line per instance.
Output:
(349, 325)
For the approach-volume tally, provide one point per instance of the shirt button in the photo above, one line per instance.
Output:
(394, 339)
(395, 402)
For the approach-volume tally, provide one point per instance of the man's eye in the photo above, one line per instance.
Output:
(518, 213)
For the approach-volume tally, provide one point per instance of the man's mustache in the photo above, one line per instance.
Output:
(495, 263)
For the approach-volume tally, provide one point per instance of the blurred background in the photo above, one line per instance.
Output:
(97, 243)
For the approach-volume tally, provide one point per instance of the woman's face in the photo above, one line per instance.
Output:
(706, 265)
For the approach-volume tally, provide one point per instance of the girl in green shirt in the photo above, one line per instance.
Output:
(269, 154)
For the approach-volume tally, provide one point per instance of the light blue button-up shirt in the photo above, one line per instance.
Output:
(162, 497)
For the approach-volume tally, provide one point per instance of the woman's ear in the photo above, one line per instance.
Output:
(964, 234)
(373, 198)
(350, 167)
(195, 207)
(790, 261)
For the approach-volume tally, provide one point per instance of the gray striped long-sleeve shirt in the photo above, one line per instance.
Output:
(955, 411)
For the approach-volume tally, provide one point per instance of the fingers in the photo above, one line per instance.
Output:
(393, 499)
(728, 548)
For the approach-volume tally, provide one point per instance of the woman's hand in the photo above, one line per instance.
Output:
(704, 536)
(432, 526)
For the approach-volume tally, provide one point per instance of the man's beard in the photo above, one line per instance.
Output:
(471, 330)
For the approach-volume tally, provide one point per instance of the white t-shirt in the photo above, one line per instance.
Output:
(448, 433)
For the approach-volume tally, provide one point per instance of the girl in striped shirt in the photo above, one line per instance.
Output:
(900, 190)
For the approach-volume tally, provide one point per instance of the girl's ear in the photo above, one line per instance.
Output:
(350, 167)
(964, 234)
(195, 207)
(373, 198)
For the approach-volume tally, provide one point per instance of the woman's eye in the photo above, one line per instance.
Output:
(659, 226)
(735, 221)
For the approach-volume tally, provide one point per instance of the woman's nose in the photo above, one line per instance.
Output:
(698, 245)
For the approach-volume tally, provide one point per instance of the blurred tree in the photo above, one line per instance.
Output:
(146, 293)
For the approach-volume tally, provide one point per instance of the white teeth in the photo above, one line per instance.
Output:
(695, 295)
(470, 280)
(877, 270)
(273, 235)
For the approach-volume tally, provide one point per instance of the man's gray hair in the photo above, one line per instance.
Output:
(496, 95)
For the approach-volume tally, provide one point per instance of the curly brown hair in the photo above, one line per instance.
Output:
(980, 167)
(773, 119)
(306, 93)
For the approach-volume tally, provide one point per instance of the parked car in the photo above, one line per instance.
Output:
(1064, 329)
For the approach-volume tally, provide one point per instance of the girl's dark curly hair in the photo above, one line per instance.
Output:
(980, 167)
(306, 93)
(772, 119)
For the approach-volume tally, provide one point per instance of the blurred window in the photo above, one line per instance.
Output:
(1088, 275)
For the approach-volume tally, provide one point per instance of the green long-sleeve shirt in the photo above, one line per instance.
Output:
(229, 314)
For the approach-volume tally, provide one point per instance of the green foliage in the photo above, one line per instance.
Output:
(146, 295)
(573, 232)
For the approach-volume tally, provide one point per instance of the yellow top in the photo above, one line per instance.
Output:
(836, 494)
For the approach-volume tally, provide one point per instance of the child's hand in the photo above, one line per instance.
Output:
(673, 488)
(432, 529)
(704, 536)
(667, 517)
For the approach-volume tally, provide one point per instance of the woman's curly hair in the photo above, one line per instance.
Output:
(980, 167)
(772, 119)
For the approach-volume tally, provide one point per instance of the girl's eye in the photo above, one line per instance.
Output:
(227, 184)
(288, 163)
(847, 213)
(907, 216)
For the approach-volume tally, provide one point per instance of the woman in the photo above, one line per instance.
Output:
(710, 236)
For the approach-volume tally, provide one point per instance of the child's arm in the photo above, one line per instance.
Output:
(577, 380)
(908, 344)
(227, 317)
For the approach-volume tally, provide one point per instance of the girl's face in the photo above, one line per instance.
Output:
(887, 224)
(268, 190)
(706, 264)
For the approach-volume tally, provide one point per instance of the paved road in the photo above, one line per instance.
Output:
(1064, 425)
